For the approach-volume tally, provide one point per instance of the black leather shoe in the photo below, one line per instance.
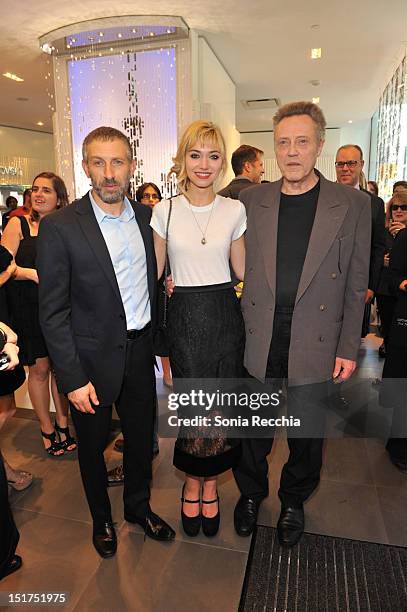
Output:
(115, 477)
(154, 526)
(338, 402)
(245, 516)
(14, 565)
(104, 539)
(290, 526)
(401, 464)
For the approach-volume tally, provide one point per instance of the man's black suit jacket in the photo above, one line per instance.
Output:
(235, 187)
(81, 310)
(378, 242)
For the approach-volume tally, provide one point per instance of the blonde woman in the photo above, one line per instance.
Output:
(205, 324)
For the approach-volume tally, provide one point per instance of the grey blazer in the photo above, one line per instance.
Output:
(329, 305)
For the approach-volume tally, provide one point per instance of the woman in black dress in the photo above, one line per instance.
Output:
(396, 220)
(205, 324)
(48, 194)
(10, 380)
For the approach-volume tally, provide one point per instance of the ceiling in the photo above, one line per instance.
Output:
(264, 46)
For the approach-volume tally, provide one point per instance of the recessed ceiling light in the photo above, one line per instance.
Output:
(350, 121)
(13, 77)
(315, 100)
(101, 34)
(40, 123)
(119, 35)
(316, 53)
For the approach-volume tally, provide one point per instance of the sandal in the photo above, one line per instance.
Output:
(18, 479)
(69, 443)
(14, 565)
(55, 447)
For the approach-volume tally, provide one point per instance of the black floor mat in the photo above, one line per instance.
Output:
(323, 573)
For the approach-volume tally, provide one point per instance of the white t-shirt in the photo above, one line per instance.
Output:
(193, 263)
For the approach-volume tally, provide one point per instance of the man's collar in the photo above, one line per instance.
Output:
(126, 215)
(242, 176)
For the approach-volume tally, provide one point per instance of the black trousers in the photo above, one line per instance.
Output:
(136, 409)
(9, 535)
(301, 474)
(385, 305)
(393, 393)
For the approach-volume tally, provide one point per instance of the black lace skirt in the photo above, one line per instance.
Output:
(206, 340)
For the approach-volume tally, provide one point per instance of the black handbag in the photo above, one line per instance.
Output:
(160, 337)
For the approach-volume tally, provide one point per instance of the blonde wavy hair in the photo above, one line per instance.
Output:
(202, 132)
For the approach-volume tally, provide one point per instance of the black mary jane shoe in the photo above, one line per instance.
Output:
(190, 524)
(210, 525)
(290, 526)
(154, 526)
(104, 539)
(14, 565)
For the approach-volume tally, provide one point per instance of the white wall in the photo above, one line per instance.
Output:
(358, 133)
(16, 142)
(216, 95)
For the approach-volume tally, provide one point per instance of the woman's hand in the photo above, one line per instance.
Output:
(11, 337)
(11, 351)
(8, 273)
(395, 227)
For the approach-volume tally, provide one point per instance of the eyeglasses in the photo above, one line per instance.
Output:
(150, 196)
(402, 207)
(351, 164)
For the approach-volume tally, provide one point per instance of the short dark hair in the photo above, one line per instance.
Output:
(245, 153)
(60, 188)
(400, 184)
(303, 107)
(140, 191)
(105, 133)
(351, 146)
(11, 202)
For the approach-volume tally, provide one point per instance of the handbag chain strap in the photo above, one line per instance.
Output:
(167, 266)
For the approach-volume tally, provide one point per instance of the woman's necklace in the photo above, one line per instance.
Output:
(203, 239)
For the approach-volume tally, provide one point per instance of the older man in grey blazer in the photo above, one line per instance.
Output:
(307, 269)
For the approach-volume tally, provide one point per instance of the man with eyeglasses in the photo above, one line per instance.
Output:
(349, 165)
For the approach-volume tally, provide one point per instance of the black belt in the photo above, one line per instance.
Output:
(132, 334)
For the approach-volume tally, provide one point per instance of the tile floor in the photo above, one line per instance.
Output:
(361, 496)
